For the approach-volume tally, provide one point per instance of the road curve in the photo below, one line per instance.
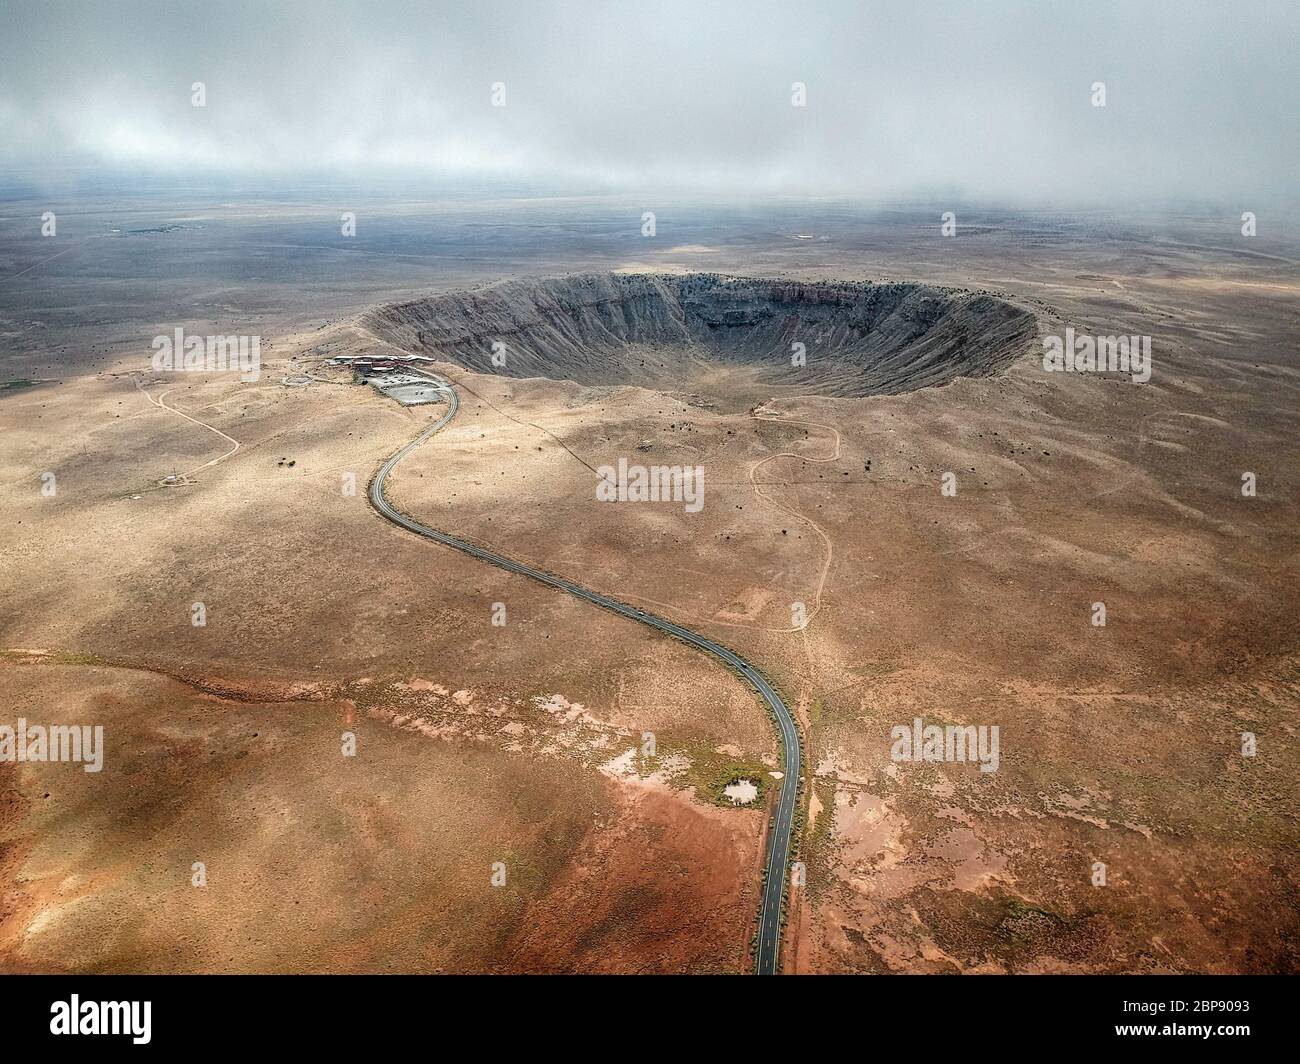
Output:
(768, 954)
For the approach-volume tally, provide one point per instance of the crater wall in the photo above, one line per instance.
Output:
(659, 330)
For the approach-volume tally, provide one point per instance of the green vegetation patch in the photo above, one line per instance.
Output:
(710, 772)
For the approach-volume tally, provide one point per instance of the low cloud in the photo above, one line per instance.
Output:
(991, 99)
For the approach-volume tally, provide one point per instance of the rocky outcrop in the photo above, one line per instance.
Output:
(610, 329)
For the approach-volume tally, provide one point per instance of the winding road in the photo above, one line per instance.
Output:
(781, 826)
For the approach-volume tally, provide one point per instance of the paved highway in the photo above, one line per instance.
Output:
(768, 957)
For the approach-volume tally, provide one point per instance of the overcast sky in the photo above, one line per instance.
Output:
(909, 97)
